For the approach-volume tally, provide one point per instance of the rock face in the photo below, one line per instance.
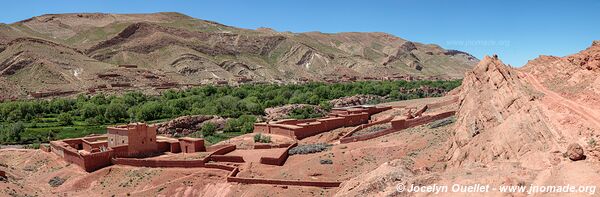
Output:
(575, 152)
(188, 124)
(360, 99)
(528, 114)
(498, 117)
(379, 182)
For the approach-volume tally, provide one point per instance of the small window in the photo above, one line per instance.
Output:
(123, 142)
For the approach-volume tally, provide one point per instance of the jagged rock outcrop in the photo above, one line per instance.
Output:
(379, 182)
(498, 117)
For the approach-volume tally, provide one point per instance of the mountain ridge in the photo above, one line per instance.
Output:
(184, 50)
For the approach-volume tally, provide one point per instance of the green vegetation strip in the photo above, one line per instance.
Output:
(36, 121)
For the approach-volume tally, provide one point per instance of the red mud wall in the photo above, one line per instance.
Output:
(96, 161)
(152, 163)
(221, 149)
(443, 103)
(227, 158)
(278, 161)
(232, 178)
(397, 125)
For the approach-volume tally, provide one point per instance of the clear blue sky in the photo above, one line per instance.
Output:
(515, 30)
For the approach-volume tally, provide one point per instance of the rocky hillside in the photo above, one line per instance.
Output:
(523, 114)
(62, 53)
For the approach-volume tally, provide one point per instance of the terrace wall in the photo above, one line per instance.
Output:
(154, 163)
(278, 161)
(232, 178)
(444, 103)
(397, 125)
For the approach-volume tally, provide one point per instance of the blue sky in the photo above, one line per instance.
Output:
(515, 30)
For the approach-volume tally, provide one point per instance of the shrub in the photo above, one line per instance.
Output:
(65, 119)
(441, 123)
(208, 129)
(56, 181)
(326, 161)
(257, 137)
(244, 124)
(262, 138)
(308, 148)
(32, 146)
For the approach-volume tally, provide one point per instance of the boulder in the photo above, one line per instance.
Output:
(575, 152)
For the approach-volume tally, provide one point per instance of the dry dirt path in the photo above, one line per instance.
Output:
(579, 109)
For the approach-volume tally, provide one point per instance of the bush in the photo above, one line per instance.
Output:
(116, 112)
(257, 137)
(441, 123)
(65, 119)
(326, 161)
(12, 133)
(32, 146)
(244, 124)
(208, 129)
(56, 181)
(308, 148)
(262, 138)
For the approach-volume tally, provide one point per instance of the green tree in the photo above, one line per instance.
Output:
(116, 112)
(15, 131)
(208, 129)
(65, 119)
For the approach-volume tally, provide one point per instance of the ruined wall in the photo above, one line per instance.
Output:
(398, 124)
(279, 161)
(227, 158)
(232, 178)
(453, 100)
(153, 163)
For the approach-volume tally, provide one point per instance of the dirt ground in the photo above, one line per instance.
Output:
(29, 171)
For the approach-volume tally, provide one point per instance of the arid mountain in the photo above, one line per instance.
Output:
(77, 52)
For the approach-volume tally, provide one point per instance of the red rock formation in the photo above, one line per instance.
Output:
(498, 117)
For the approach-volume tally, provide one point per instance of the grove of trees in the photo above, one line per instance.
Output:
(242, 103)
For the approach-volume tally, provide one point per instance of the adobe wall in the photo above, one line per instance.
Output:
(142, 139)
(444, 103)
(153, 163)
(192, 146)
(57, 148)
(269, 146)
(89, 146)
(398, 124)
(97, 160)
(120, 151)
(278, 161)
(163, 146)
(232, 178)
(227, 158)
(221, 149)
(175, 147)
